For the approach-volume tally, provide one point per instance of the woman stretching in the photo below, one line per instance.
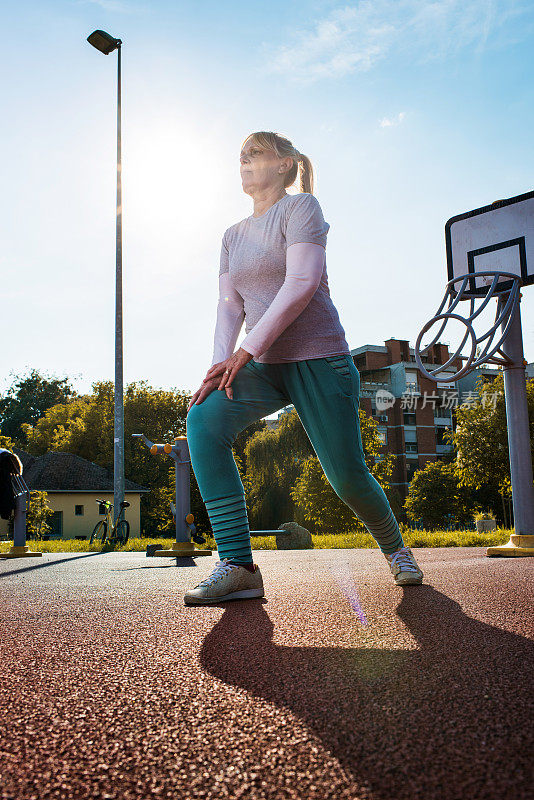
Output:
(273, 275)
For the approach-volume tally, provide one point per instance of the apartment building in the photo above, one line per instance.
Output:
(412, 411)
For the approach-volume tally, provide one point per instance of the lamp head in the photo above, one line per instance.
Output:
(103, 42)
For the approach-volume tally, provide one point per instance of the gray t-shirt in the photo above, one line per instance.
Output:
(254, 252)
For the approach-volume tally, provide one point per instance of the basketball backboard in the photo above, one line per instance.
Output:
(497, 237)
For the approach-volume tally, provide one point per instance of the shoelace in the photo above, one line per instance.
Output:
(221, 569)
(404, 560)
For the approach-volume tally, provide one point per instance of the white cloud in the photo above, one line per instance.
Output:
(109, 5)
(392, 122)
(353, 38)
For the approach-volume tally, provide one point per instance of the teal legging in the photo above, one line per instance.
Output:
(325, 393)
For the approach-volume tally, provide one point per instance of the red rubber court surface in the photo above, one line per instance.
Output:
(337, 684)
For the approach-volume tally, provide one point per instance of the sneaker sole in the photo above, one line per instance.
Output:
(409, 580)
(244, 594)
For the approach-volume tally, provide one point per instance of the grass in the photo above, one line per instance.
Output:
(360, 539)
(412, 538)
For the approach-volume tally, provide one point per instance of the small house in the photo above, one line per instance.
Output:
(74, 485)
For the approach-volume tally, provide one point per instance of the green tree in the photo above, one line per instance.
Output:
(240, 445)
(436, 498)
(27, 399)
(38, 515)
(6, 443)
(481, 439)
(321, 508)
(60, 429)
(274, 458)
(284, 480)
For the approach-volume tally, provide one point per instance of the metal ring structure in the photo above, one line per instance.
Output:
(507, 302)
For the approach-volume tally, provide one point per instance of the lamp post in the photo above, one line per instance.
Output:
(106, 44)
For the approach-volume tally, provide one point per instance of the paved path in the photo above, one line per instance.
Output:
(338, 684)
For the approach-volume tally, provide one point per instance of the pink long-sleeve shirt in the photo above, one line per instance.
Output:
(273, 275)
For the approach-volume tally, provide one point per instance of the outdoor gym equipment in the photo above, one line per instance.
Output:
(490, 253)
(15, 496)
(185, 529)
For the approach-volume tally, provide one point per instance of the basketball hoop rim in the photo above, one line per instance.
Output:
(480, 291)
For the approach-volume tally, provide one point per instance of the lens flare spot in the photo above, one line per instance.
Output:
(345, 581)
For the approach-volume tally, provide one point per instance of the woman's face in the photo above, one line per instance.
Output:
(262, 169)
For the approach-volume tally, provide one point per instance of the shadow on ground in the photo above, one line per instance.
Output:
(450, 719)
(43, 564)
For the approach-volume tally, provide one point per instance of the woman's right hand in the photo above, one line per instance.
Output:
(205, 390)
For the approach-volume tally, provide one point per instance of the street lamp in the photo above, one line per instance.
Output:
(107, 44)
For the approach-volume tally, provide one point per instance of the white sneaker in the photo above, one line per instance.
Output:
(226, 582)
(404, 567)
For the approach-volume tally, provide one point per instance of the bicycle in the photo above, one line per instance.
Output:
(120, 531)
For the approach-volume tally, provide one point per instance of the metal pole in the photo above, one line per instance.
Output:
(19, 522)
(180, 454)
(118, 439)
(515, 393)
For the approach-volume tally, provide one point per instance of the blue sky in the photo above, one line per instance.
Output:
(410, 111)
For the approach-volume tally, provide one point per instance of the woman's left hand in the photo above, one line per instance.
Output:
(233, 365)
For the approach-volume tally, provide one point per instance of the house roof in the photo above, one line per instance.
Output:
(56, 471)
